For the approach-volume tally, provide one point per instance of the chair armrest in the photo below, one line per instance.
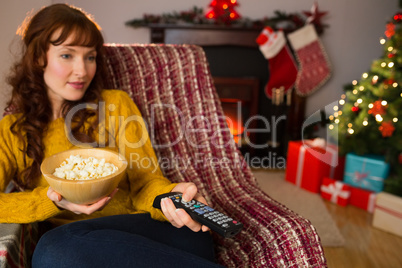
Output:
(17, 243)
(273, 235)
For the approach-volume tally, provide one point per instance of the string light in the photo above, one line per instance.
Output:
(331, 117)
(354, 91)
(343, 96)
(342, 102)
(395, 84)
(382, 41)
(378, 118)
(340, 113)
(384, 103)
(395, 119)
(383, 64)
(331, 127)
(336, 121)
(336, 108)
(354, 82)
(365, 75)
(361, 88)
(359, 101)
(371, 105)
(350, 125)
(365, 123)
(390, 65)
(351, 131)
(390, 49)
(336, 114)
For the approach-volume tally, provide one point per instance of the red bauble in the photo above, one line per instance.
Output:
(389, 81)
(386, 129)
(355, 109)
(398, 17)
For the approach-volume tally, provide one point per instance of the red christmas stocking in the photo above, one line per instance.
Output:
(314, 67)
(281, 64)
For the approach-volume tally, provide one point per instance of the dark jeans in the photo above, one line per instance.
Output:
(123, 241)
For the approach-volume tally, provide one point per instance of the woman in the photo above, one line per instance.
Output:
(61, 68)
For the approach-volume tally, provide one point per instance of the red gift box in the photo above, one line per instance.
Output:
(335, 191)
(309, 162)
(362, 198)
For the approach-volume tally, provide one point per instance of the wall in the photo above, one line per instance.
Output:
(351, 41)
(12, 13)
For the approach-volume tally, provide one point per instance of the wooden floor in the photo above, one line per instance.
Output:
(365, 246)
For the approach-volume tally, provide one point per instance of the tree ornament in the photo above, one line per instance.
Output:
(389, 82)
(386, 129)
(391, 55)
(390, 30)
(377, 108)
(398, 17)
(355, 109)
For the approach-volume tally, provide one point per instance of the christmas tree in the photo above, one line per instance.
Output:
(222, 11)
(369, 120)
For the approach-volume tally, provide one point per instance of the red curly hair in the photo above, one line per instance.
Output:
(29, 91)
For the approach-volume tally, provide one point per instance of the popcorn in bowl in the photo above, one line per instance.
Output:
(78, 168)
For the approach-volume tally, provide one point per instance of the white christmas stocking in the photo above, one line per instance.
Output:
(314, 67)
(281, 64)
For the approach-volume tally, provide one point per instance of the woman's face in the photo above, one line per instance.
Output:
(69, 71)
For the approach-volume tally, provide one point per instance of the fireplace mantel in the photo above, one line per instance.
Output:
(204, 35)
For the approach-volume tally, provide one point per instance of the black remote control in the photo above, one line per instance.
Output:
(215, 220)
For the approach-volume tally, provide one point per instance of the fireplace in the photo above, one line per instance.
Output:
(240, 73)
(239, 98)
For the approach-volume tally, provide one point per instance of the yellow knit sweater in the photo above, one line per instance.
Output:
(123, 122)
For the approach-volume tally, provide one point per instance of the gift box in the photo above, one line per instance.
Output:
(363, 199)
(335, 191)
(388, 213)
(366, 172)
(309, 162)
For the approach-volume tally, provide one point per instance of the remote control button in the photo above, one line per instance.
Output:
(199, 211)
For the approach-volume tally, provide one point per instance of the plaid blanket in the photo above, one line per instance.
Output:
(17, 242)
(173, 88)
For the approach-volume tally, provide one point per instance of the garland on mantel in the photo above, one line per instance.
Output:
(280, 20)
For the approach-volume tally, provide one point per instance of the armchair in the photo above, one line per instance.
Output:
(173, 88)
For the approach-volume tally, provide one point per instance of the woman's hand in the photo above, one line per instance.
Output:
(76, 208)
(179, 217)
